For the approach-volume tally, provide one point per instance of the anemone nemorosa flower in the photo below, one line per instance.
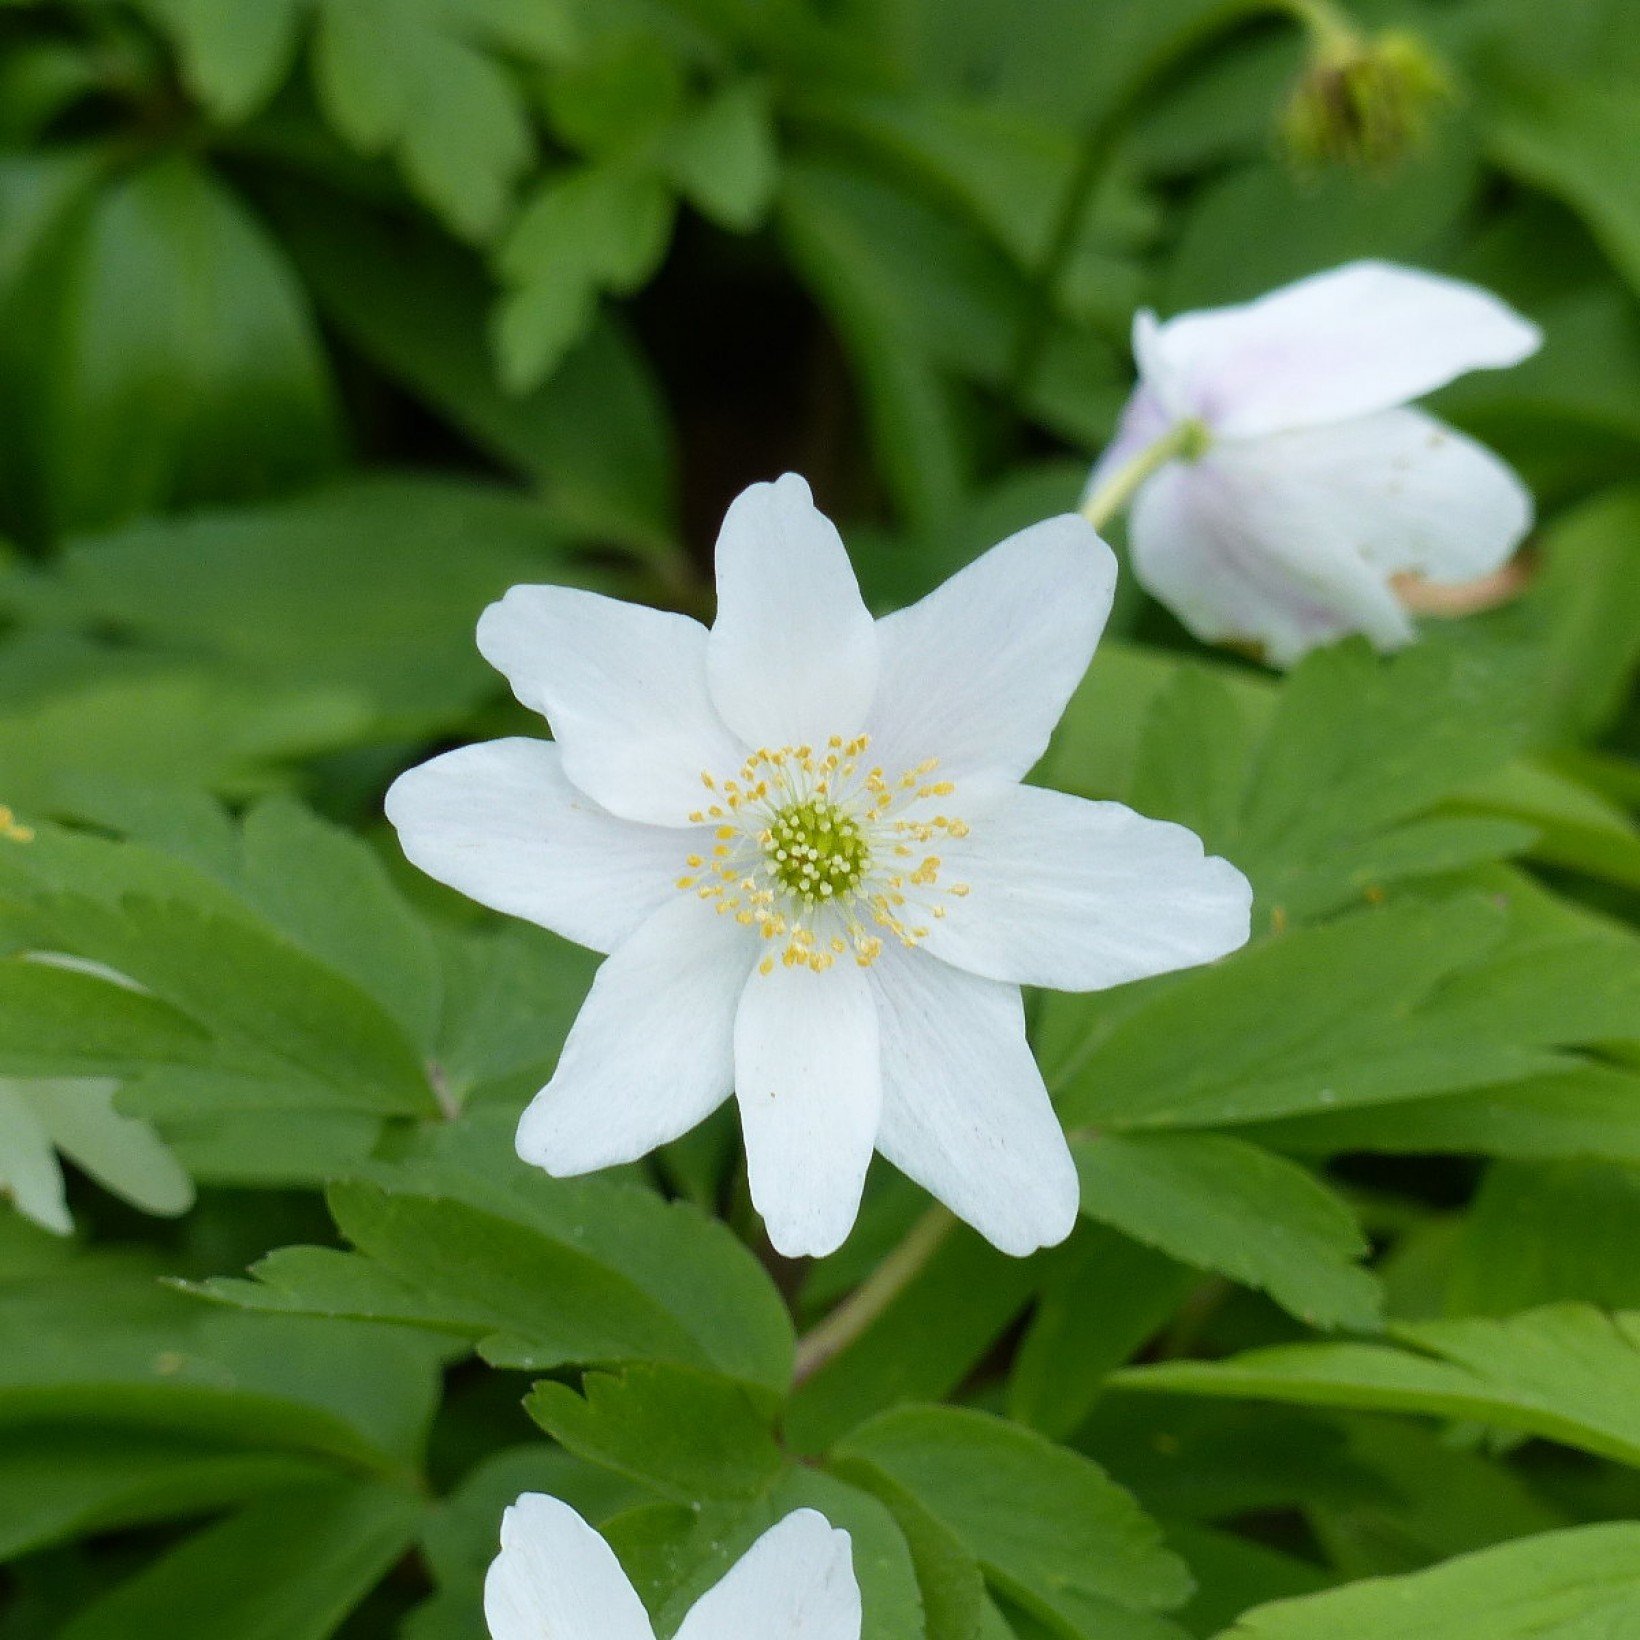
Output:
(555, 1577)
(803, 840)
(1304, 484)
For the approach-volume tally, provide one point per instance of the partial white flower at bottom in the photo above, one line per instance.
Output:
(803, 840)
(556, 1579)
(1307, 484)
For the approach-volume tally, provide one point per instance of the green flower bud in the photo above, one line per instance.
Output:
(1364, 101)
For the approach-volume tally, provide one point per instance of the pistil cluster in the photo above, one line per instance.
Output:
(823, 854)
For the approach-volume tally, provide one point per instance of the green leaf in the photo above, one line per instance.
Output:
(686, 1434)
(102, 1345)
(1222, 1204)
(1589, 1111)
(596, 437)
(1573, 1585)
(235, 53)
(183, 729)
(723, 157)
(1434, 1499)
(603, 227)
(272, 1013)
(327, 890)
(1589, 586)
(1104, 1297)
(1334, 803)
(187, 368)
(289, 1567)
(1049, 1527)
(1538, 1233)
(401, 75)
(1558, 134)
(540, 1272)
(1566, 1372)
(371, 587)
(1405, 1002)
(62, 1482)
(54, 1020)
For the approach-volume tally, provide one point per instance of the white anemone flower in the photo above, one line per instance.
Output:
(803, 840)
(555, 1577)
(1299, 482)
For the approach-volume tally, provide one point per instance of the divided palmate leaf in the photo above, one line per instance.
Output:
(1405, 1002)
(1223, 1204)
(538, 1273)
(1051, 1530)
(1580, 1584)
(1567, 1372)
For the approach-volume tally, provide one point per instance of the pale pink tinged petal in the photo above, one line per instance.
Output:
(1078, 896)
(1409, 492)
(965, 1112)
(652, 1051)
(795, 1583)
(1144, 420)
(792, 656)
(1350, 342)
(808, 1080)
(978, 672)
(624, 688)
(1236, 553)
(501, 822)
(555, 1577)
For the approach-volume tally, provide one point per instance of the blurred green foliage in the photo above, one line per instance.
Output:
(324, 321)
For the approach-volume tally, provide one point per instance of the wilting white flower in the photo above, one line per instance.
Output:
(556, 1579)
(1305, 484)
(802, 838)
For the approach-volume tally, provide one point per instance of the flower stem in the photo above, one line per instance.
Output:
(1187, 439)
(1329, 25)
(872, 1297)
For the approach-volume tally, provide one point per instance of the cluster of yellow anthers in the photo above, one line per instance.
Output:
(807, 850)
(12, 829)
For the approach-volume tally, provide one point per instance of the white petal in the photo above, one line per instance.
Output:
(809, 1082)
(556, 1577)
(1078, 896)
(651, 1052)
(792, 656)
(978, 672)
(1361, 338)
(624, 688)
(965, 1112)
(795, 1583)
(500, 822)
(1235, 555)
(1407, 491)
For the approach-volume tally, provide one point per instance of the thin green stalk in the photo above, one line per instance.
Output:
(1188, 439)
(872, 1297)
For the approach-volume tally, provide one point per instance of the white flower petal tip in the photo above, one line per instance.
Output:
(796, 1582)
(792, 654)
(556, 1576)
(651, 1053)
(556, 1579)
(624, 688)
(808, 1078)
(1316, 486)
(501, 823)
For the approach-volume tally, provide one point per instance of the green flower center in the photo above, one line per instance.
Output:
(816, 851)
